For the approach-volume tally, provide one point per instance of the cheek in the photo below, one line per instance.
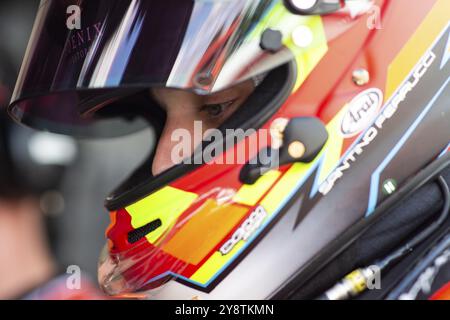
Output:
(181, 135)
(188, 127)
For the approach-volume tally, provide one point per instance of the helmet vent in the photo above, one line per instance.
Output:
(136, 235)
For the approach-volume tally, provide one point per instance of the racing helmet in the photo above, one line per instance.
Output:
(349, 104)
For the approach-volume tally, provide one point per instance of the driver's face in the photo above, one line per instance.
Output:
(184, 108)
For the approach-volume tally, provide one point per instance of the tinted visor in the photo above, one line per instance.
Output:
(124, 46)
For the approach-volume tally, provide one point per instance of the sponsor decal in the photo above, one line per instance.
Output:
(386, 114)
(361, 112)
(80, 41)
(246, 230)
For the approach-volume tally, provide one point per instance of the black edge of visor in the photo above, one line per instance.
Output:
(108, 123)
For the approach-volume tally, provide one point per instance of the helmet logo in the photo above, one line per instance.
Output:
(246, 230)
(361, 112)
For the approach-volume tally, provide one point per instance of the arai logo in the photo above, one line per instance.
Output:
(361, 112)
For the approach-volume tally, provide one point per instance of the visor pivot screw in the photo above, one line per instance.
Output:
(361, 77)
(204, 80)
(296, 149)
(271, 40)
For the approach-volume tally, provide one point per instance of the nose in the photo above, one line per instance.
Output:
(162, 160)
(175, 144)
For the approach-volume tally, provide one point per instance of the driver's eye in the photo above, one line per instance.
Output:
(216, 110)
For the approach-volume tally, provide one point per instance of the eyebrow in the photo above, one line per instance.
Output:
(221, 97)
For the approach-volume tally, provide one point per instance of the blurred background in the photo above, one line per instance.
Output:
(78, 175)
